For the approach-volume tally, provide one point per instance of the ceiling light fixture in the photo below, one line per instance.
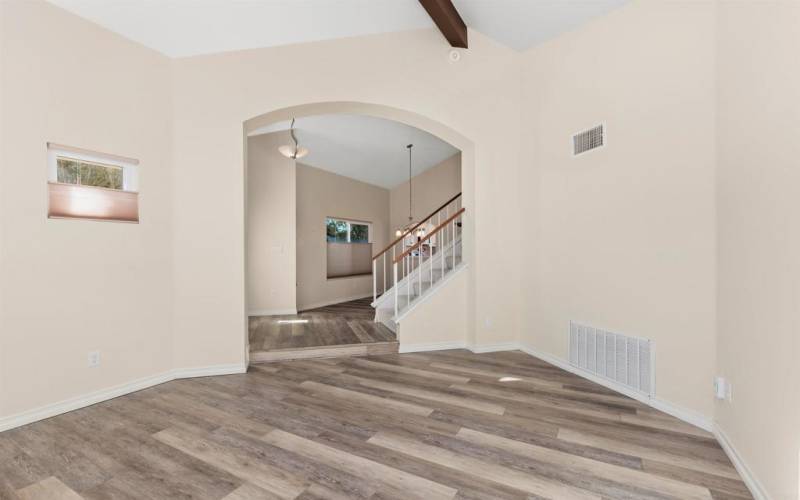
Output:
(293, 152)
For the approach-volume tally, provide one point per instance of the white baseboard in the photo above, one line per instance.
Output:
(209, 371)
(433, 346)
(676, 411)
(51, 410)
(272, 312)
(339, 300)
(503, 346)
(443, 346)
(756, 488)
(689, 416)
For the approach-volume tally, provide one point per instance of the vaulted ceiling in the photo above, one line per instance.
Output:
(365, 148)
(180, 28)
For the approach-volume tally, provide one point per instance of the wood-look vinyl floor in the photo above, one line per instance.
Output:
(346, 323)
(443, 425)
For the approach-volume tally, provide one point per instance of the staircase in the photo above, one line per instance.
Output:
(414, 265)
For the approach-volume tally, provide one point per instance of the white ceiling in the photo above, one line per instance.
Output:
(521, 24)
(365, 148)
(180, 28)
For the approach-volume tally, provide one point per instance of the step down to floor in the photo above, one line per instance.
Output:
(328, 351)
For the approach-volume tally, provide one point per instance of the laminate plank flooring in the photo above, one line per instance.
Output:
(439, 425)
(347, 323)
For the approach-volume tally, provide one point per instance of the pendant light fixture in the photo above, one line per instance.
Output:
(293, 151)
(405, 229)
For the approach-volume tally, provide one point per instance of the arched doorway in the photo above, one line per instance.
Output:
(411, 119)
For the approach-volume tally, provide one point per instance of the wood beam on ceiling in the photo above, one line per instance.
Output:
(447, 19)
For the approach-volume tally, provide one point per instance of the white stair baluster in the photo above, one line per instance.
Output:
(419, 269)
(441, 250)
(394, 265)
(409, 280)
(454, 242)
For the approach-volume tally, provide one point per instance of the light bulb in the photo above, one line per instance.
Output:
(286, 150)
(398, 233)
(289, 151)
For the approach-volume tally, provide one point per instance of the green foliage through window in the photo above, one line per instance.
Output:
(359, 233)
(342, 231)
(84, 173)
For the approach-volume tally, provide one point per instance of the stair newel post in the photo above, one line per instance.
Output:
(394, 266)
(453, 227)
(409, 278)
(419, 268)
(441, 250)
(384, 272)
(446, 213)
(374, 280)
(430, 258)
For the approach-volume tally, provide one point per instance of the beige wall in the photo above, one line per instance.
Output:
(440, 320)
(70, 287)
(214, 95)
(431, 188)
(322, 194)
(271, 227)
(347, 260)
(623, 238)
(625, 235)
(180, 274)
(3, 348)
(758, 202)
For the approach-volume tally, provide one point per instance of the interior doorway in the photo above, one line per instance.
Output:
(314, 223)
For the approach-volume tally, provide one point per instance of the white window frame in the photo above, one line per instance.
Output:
(350, 222)
(130, 167)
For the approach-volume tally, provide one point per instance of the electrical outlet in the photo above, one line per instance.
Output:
(94, 359)
(488, 322)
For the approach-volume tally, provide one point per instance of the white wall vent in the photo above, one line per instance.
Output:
(629, 361)
(588, 140)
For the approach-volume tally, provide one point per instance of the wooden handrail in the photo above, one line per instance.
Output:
(400, 238)
(427, 236)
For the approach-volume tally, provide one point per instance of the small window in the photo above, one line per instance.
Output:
(89, 185)
(344, 231)
(349, 248)
(86, 173)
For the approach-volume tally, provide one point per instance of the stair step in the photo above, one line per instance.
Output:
(418, 282)
(390, 324)
(409, 292)
(330, 351)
